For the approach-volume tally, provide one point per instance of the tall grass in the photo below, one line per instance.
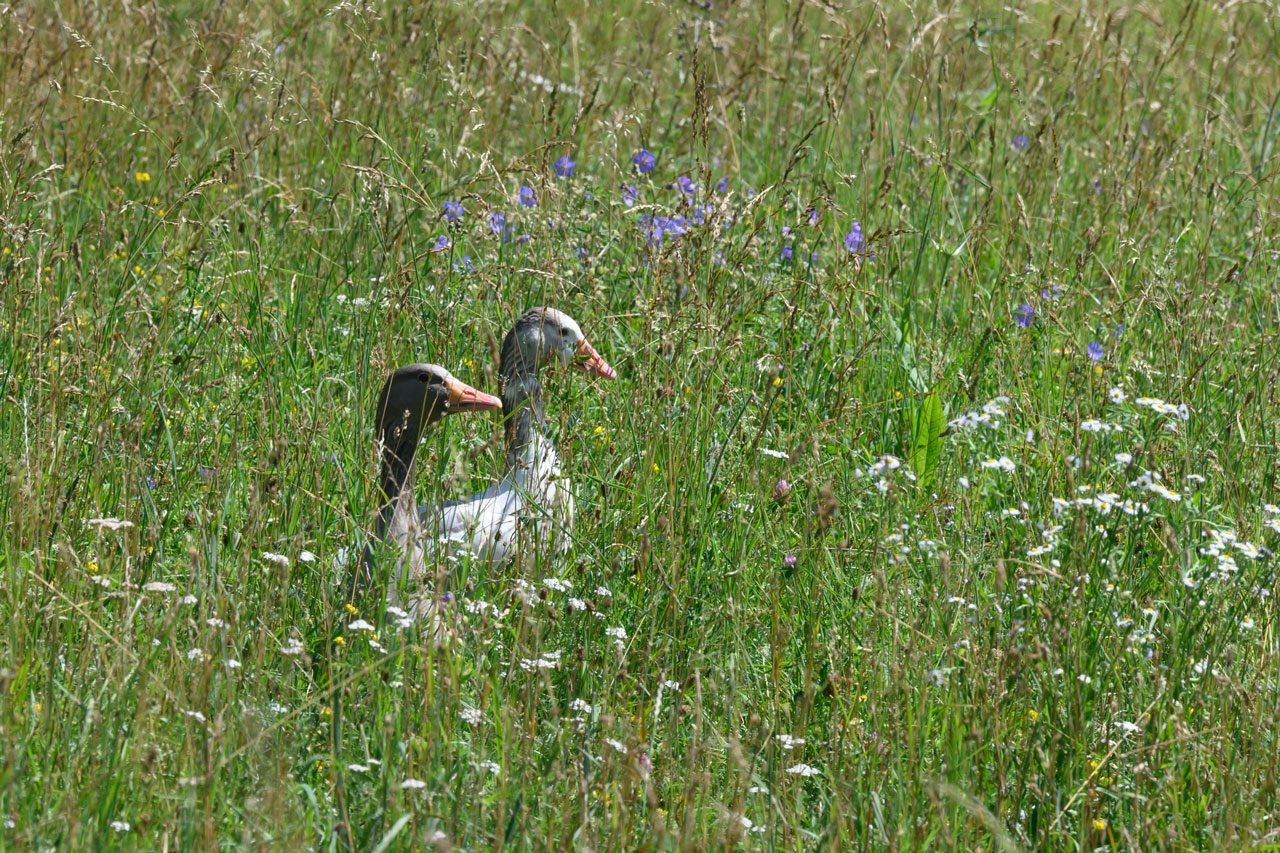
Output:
(224, 224)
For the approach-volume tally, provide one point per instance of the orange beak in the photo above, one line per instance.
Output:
(591, 363)
(464, 398)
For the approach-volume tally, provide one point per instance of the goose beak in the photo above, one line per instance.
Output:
(590, 362)
(464, 398)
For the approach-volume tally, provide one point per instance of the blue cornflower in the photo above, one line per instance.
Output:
(527, 198)
(496, 221)
(1020, 142)
(442, 242)
(1025, 315)
(854, 241)
(1094, 350)
(644, 161)
(630, 194)
(564, 167)
(453, 210)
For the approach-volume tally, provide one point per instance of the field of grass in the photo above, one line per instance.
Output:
(932, 507)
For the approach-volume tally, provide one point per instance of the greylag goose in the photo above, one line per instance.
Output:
(532, 504)
(413, 398)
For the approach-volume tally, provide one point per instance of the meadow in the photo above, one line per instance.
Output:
(934, 506)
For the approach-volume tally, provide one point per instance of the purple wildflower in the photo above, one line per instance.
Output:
(854, 241)
(630, 194)
(564, 167)
(1094, 350)
(453, 210)
(644, 161)
(1020, 142)
(496, 222)
(1025, 314)
(686, 185)
(789, 560)
(442, 242)
(813, 216)
(723, 185)
(786, 253)
(527, 198)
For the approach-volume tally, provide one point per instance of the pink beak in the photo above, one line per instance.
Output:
(464, 398)
(592, 364)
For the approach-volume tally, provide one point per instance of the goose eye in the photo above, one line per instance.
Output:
(424, 377)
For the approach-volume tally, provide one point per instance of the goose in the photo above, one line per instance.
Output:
(414, 397)
(530, 508)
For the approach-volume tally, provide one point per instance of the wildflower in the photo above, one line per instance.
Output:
(527, 197)
(1024, 315)
(1246, 622)
(1084, 679)
(159, 586)
(564, 167)
(581, 706)
(1004, 463)
(471, 716)
(618, 745)
(1033, 715)
(557, 584)
(1163, 492)
(644, 161)
(442, 243)
(1100, 824)
(496, 222)
(935, 675)
(1094, 350)
(803, 770)
(292, 647)
(279, 559)
(630, 194)
(412, 784)
(813, 216)
(781, 490)
(854, 241)
(1116, 395)
(453, 210)
(1092, 425)
(1124, 458)
(789, 561)
(1020, 142)
(724, 185)
(122, 825)
(776, 454)
(360, 625)
(358, 768)
(339, 640)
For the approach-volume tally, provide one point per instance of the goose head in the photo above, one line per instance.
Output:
(544, 338)
(417, 396)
